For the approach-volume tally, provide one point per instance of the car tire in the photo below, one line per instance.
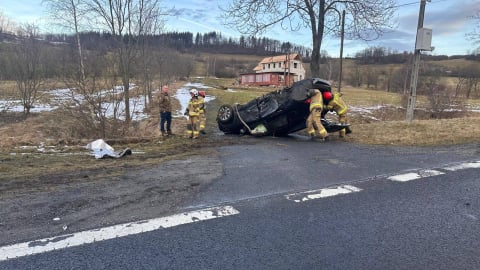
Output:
(225, 114)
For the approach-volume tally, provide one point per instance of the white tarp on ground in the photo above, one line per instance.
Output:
(101, 149)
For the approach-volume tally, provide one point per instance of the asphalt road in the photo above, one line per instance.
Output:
(290, 203)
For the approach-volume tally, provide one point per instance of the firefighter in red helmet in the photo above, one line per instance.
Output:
(203, 118)
(334, 102)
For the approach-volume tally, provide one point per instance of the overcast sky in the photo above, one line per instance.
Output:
(449, 19)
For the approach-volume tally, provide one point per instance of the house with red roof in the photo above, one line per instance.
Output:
(276, 71)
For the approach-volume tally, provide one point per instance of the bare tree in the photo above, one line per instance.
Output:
(389, 78)
(147, 61)
(461, 81)
(71, 15)
(475, 34)
(439, 96)
(371, 75)
(355, 76)
(366, 19)
(26, 63)
(468, 80)
(126, 21)
(68, 14)
(6, 24)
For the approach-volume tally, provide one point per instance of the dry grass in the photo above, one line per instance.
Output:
(64, 155)
(366, 98)
(392, 129)
(7, 89)
(419, 132)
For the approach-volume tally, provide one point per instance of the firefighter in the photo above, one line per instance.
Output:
(193, 112)
(314, 120)
(203, 118)
(334, 102)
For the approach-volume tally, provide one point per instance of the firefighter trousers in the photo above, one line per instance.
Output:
(193, 129)
(343, 120)
(314, 124)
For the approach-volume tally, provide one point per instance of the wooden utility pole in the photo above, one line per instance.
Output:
(416, 62)
(341, 53)
(288, 68)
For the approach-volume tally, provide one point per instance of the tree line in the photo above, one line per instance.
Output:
(186, 42)
(383, 55)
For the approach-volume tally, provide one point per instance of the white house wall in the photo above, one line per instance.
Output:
(298, 73)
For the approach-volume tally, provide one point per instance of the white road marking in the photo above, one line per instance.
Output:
(415, 175)
(321, 193)
(468, 165)
(86, 237)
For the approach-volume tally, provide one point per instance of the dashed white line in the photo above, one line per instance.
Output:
(321, 193)
(86, 237)
(468, 165)
(414, 175)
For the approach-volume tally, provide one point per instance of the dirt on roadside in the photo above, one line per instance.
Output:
(48, 194)
(62, 203)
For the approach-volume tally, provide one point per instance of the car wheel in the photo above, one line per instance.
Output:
(225, 114)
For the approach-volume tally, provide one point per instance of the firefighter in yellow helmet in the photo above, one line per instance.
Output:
(203, 118)
(193, 112)
(314, 120)
(334, 102)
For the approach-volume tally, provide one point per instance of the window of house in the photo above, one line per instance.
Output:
(273, 65)
(295, 65)
(268, 65)
(263, 66)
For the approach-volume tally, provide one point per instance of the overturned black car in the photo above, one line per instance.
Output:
(278, 113)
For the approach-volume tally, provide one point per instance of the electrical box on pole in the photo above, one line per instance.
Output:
(424, 40)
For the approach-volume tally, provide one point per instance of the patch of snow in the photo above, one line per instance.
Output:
(183, 96)
(61, 97)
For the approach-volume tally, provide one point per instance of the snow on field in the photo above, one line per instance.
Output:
(59, 97)
(16, 106)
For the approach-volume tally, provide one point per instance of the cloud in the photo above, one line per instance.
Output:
(444, 17)
(201, 25)
(176, 12)
(448, 19)
(197, 16)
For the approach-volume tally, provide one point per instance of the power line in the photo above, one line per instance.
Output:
(417, 2)
(407, 4)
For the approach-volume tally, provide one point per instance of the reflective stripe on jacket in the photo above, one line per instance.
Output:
(337, 104)
(316, 101)
(193, 107)
(201, 101)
